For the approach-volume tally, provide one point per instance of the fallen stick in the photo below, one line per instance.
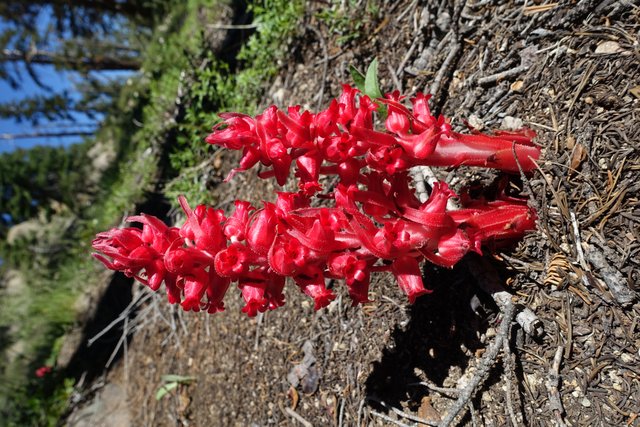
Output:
(552, 382)
(485, 364)
(293, 414)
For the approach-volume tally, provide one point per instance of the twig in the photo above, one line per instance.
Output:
(360, 409)
(529, 322)
(444, 69)
(578, 241)
(474, 417)
(552, 387)
(483, 81)
(293, 414)
(508, 378)
(125, 332)
(388, 418)
(405, 58)
(123, 315)
(402, 14)
(444, 390)
(484, 366)
(396, 81)
(614, 279)
(404, 414)
(256, 341)
(325, 66)
(341, 412)
(122, 339)
(185, 330)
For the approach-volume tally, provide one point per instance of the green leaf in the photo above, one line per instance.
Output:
(358, 77)
(170, 378)
(162, 391)
(371, 84)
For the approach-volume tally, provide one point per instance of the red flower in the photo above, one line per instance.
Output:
(406, 269)
(43, 371)
(232, 261)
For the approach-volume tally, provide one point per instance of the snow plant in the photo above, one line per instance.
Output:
(371, 220)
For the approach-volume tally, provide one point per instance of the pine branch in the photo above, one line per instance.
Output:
(52, 134)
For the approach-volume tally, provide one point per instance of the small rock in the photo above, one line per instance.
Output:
(608, 47)
(278, 96)
(511, 123)
(602, 163)
(517, 86)
(443, 21)
(585, 402)
(627, 358)
(476, 122)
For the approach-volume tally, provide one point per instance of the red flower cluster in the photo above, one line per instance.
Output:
(375, 222)
(42, 371)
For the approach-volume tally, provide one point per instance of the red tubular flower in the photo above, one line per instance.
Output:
(311, 282)
(262, 229)
(298, 126)
(235, 226)
(309, 172)
(391, 238)
(273, 292)
(194, 288)
(322, 296)
(390, 160)
(498, 222)
(234, 132)
(350, 267)
(326, 122)
(216, 289)
(202, 227)
(126, 250)
(253, 293)
(347, 105)
(399, 118)
(406, 270)
(363, 118)
(452, 248)
(232, 261)
(287, 255)
(340, 148)
(42, 371)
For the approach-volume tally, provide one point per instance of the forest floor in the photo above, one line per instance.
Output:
(567, 70)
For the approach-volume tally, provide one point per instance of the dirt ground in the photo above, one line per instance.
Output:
(568, 70)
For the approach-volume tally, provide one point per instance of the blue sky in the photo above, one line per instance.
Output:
(58, 81)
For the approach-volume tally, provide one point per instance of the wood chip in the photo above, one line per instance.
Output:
(427, 411)
(608, 48)
(295, 397)
(578, 155)
(517, 86)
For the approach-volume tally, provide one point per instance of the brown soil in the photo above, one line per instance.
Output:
(570, 72)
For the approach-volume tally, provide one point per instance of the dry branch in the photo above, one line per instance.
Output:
(484, 365)
(553, 380)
